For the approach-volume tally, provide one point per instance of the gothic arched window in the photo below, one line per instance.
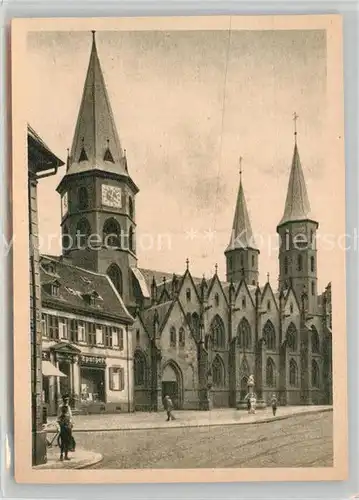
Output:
(112, 233)
(82, 198)
(173, 337)
(315, 340)
(115, 275)
(216, 299)
(315, 373)
(269, 335)
(292, 337)
(217, 372)
(285, 265)
(140, 368)
(270, 373)
(83, 232)
(293, 373)
(313, 288)
(181, 337)
(217, 332)
(244, 334)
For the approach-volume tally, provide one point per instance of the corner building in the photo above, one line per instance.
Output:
(197, 339)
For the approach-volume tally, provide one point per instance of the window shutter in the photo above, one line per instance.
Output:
(120, 339)
(111, 379)
(122, 379)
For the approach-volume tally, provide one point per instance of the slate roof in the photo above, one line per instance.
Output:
(96, 144)
(297, 206)
(149, 314)
(39, 153)
(75, 282)
(242, 234)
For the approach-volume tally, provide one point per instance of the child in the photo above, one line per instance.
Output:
(64, 422)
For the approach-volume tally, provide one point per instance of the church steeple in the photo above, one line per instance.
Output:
(96, 143)
(297, 231)
(98, 194)
(241, 253)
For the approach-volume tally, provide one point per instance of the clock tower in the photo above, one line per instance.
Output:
(98, 220)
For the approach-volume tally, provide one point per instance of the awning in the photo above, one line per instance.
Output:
(50, 370)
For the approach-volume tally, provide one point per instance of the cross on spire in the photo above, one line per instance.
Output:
(216, 268)
(187, 263)
(295, 118)
(240, 167)
(268, 277)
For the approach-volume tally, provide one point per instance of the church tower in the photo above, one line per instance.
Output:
(241, 253)
(97, 192)
(297, 234)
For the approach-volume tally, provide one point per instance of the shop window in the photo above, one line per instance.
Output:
(116, 378)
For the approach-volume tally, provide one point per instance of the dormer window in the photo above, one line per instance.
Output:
(91, 298)
(55, 289)
(108, 155)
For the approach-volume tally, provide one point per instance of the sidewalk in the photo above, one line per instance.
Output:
(79, 460)
(185, 418)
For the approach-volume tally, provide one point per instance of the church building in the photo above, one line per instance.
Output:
(195, 339)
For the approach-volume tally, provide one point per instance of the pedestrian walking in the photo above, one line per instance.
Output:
(66, 404)
(248, 403)
(65, 433)
(274, 404)
(168, 405)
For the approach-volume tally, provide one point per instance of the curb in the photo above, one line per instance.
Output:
(210, 424)
(82, 464)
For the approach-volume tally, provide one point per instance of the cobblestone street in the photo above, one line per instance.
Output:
(298, 441)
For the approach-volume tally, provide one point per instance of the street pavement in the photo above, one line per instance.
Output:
(302, 440)
(81, 459)
(157, 420)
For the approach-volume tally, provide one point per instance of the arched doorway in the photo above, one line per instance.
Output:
(172, 383)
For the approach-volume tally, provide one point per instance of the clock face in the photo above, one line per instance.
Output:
(64, 204)
(111, 196)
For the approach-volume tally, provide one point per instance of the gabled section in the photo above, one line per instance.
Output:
(268, 299)
(243, 297)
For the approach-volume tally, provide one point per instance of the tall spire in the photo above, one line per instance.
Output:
(297, 206)
(96, 144)
(242, 234)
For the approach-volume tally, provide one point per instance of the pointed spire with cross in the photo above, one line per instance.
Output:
(295, 118)
(216, 268)
(187, 263)
(240, 168)
(268, 276)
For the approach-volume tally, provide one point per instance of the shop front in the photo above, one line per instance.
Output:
(92, 381)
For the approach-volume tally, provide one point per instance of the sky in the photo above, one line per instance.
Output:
(187, 105)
